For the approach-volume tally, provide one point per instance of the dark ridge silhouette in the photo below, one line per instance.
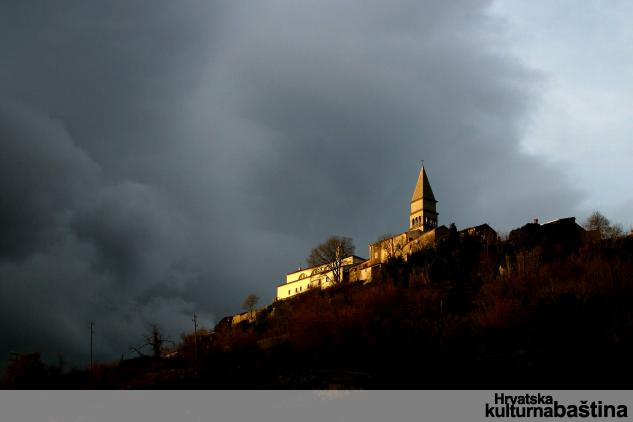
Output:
(551, 307)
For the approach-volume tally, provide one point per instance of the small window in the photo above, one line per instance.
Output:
(288, 292)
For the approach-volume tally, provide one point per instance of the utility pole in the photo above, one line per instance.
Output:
(92, 324)
(195, 338)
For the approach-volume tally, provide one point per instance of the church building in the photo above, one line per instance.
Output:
(423, 212)
(423, 232)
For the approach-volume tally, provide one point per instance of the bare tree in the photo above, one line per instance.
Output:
(329, 255)
(599, 222)
(155, 340)
(250, 302)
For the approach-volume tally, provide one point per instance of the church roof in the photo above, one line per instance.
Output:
(423, 188)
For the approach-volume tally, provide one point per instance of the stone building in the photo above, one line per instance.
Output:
(423, 229)
(423, 232)
(423, 215)
(486, 233)
(319, 276)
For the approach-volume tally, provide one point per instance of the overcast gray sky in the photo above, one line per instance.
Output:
(159, 158)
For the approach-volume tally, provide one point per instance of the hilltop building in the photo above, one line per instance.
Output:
(564, 232)
(423, 232)
(319, 276)
(486, 233)
(423, 229)
(423, 214)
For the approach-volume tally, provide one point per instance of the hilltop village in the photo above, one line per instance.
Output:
(538, 305)
(424, 232)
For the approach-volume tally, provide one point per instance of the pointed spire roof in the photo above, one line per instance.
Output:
(423, 188)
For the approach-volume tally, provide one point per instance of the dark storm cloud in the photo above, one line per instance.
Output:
(349, 103)
(76, 247)
(39, 181)
(160, 157)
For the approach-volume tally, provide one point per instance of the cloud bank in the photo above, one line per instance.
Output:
(160, 158)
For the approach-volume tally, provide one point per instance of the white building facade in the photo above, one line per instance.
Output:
(317, 277)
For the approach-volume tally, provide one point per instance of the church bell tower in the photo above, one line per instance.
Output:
(423, 213)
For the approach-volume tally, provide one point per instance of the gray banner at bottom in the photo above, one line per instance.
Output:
(311, 406)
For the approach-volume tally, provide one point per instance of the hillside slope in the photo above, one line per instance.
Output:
(534, 311)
